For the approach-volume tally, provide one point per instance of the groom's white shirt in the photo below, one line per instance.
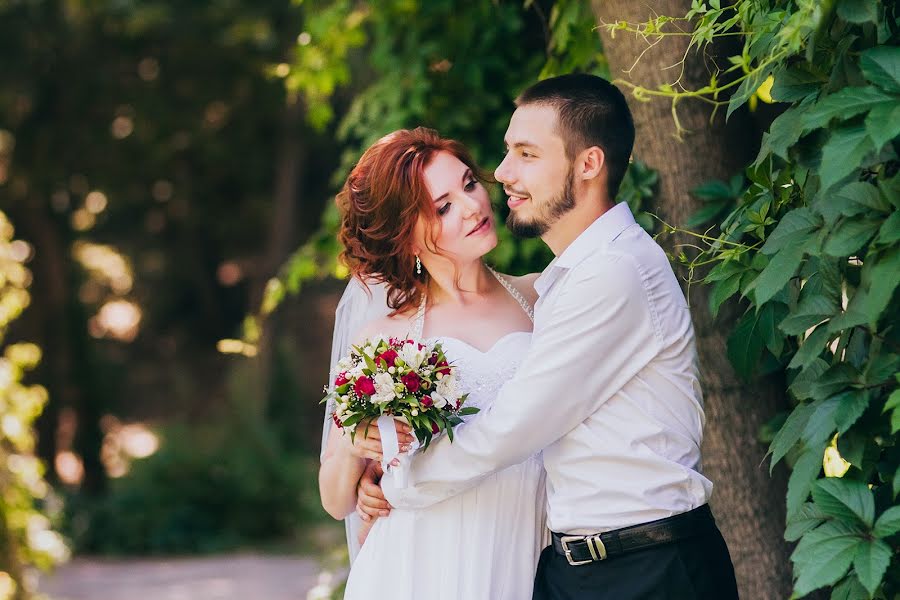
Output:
(608, 391)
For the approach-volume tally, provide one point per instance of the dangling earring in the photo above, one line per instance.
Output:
(418, 265)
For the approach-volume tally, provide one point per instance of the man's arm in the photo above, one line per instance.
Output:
(600, 333)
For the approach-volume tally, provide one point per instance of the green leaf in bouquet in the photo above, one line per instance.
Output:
(467, 410)
(342, 389)
(370, 363)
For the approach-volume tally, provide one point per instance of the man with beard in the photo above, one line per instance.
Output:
(609, 390)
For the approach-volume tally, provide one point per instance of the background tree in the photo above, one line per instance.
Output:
(748, 503)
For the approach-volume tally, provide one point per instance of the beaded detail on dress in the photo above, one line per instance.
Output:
(481, 374)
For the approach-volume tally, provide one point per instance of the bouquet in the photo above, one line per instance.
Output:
(403, 379)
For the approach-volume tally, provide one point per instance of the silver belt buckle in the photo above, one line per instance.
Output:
(594, 544)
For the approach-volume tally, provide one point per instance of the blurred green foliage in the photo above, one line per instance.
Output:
(26, 535)
(209, 488)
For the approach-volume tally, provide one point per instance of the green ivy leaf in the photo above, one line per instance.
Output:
(850, 589)
(889, 233)
(780, 270)
(722, 291)
(843, 153)
(858, 11)
(853, 404)
(870, 562)
(798, 224)
(823, 556)
(845, 499)
(745, 345)
(821, 426)
(808, 517)
(888, 523)
(849, 236)
(796, 83)
(843, 104)
(881, 276)
(881, 65)
(783, 133)
(804, 472)
(747, 88)
(883, 123)
(803, 383)
(811, 347)
(850, 200)
(790, 432)
(834, 380)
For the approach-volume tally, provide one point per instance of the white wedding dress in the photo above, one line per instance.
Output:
(482, 544)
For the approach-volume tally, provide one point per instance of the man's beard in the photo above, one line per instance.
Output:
(560, 205)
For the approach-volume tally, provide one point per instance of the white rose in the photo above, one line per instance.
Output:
(446, 387)
(384, 388)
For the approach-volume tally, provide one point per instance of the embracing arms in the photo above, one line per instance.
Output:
(597, 334)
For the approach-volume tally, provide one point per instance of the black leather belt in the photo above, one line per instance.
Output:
(584, 549)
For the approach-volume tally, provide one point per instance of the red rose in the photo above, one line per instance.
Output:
(426, 401)
(446, 368)
(341, 379)
(364, 386)
(411, 381)
(388, 356)
(434, 427)
(432, 359)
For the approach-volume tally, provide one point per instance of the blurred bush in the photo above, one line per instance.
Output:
(210, 488)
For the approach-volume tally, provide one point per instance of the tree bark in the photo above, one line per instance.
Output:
(748, 503)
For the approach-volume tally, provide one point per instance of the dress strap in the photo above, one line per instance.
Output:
(516, 294)
(419, 323)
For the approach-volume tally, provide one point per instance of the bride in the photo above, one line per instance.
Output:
(415, 224)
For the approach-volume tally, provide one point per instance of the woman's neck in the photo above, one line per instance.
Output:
(460, 284)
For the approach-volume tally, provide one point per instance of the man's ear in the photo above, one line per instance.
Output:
(590, 163)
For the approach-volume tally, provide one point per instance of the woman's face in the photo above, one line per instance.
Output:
(465, 231)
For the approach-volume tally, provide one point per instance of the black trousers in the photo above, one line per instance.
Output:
(696, 568)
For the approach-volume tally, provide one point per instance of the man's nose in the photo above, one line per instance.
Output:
(502, 172)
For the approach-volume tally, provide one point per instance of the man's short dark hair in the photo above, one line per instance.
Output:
(590, 112)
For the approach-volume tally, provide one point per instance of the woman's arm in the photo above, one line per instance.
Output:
(344, 461)
(338, 474)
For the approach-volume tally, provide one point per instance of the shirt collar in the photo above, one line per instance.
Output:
(605, 229)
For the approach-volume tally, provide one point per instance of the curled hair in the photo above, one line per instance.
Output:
(380, 204)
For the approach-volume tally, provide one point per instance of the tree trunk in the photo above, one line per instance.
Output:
(282, 236)
(749, 505)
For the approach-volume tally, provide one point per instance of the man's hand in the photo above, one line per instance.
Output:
(366, 443)
(370, 502)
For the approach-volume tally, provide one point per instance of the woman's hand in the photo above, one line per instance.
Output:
(367, 440)
(370, 502)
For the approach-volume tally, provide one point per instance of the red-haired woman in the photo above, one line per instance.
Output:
(416, 218)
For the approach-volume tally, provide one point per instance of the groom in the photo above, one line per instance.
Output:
(609, 389)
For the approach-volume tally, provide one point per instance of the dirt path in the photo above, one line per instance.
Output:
(230, 577)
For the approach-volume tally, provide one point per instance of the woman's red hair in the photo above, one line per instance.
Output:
(380, 204)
